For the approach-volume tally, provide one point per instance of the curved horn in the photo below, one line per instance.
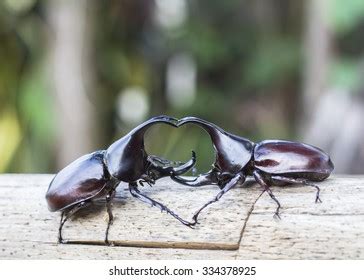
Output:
(126, 157)
(165, 167)
(179, 170)
(140, 130)
(232, 152)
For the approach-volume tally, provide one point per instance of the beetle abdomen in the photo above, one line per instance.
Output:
(82, 179)
(286, 157)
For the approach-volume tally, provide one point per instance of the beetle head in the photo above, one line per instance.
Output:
(160, 167)
(233, 153)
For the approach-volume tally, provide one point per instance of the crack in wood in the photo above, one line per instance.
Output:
(247, 219)
(162, 245)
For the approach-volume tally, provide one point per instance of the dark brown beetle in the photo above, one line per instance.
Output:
(97, 175)
(270, 162)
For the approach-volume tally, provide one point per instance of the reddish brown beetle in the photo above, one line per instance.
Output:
(270, 162)
(96, 175)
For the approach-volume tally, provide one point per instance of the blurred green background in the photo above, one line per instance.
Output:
(77, 75)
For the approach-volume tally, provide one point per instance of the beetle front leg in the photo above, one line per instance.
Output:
(299, 181)
(262, 181)
(146, 179)
(137, 194)
(232, 183)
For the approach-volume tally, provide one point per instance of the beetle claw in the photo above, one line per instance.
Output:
(277, 216)
(108, 243)
(189, 224)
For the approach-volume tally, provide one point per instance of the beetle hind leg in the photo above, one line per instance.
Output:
(299, 181)
(65, 216)
(272, 196)
(61, 223)
(317, 200)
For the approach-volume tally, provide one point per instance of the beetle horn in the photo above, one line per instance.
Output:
(126, 157)
(208, 178)
(137, 134)
(164, 167)
(179, 170)
(140, 130)
(232, 152)
(212, 129)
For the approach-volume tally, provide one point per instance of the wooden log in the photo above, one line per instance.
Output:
(333, 229)
(239, 226)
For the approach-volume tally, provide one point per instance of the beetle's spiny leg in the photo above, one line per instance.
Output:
(137, 194)
(60, 239)
(318, 199)
(109, 198)
(272, 196)
(300, 181)
(307, 183)
(261, 181)
(65, 216)
(232, 183)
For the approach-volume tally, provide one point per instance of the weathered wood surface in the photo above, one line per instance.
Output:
(239, 226)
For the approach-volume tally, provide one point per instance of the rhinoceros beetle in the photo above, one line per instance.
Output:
(97, 175)
(270, 162)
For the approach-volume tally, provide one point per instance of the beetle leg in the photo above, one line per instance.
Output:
(109, 198)
(299, 181)
(146, 179)
(232, 183)
(61, 223)
(65, 216)
(137, 194)
(262, 181)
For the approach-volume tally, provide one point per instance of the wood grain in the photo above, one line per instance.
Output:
(333, 229)
(240, 226)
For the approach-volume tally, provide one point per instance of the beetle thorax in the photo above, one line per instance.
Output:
(125, 159)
